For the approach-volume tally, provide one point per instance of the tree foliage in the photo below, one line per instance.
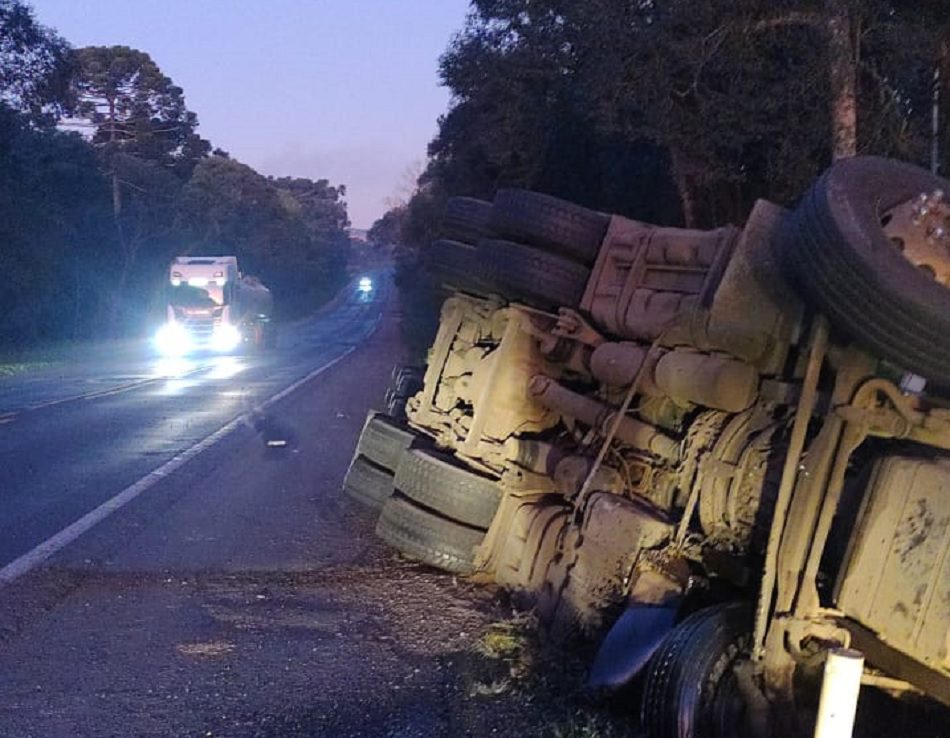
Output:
(57, 244)
(674, 110)
(88, 224)
(135, 108)
(678, 112)
(288, 231)
(35, 65)
(387, 230)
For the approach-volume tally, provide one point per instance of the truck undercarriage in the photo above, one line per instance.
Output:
(722, 453)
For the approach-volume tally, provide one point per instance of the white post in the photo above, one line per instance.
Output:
(839, 694)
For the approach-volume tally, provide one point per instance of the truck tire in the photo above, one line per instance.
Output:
(690, 688)
(526, 274)
(452, 264)
(406, 383)
(549, 223)
(847, 265)
(512, 270)
(450, 490)
(384, 441)
(466, 219)
(368, 484)
(422, 535)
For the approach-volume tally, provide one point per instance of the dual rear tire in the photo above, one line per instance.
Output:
(525, 247)
(432, 509)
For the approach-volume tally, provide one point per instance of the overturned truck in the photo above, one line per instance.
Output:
(722, 453)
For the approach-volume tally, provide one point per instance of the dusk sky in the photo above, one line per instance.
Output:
(345, 90)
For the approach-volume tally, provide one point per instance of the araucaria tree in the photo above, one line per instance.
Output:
(136, 110)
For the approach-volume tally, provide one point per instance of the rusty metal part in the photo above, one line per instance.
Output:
(522, 540)
(644, 276)
(610, 538)
(684, 375)
(571, 324)
(800, 522)
(617, 364)
(753, 315)
(896, 688)
(738, 481)
(571, 472)
(503, 407)
(700, 437)
(870, 419)
(601, 417)
(920, 229)
(475, 395)
(806, 406)
(717, 382)
(532, 454)
(895, 663)
(899, 418)
(614, 427)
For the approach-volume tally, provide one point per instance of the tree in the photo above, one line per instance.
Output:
(387, 230)
(58, 246)
(135, 108)
(35, 65)
(147, 142)
(728, 100)
(288, 231)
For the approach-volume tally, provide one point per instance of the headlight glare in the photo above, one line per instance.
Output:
(225, 338)
(172, 339)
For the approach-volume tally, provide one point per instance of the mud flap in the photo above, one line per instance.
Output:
(651, 612)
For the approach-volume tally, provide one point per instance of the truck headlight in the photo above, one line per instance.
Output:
(225, 338)
(172, 339)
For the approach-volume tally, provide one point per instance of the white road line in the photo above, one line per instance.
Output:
(70, 533)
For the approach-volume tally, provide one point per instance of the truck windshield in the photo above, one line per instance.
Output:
(188, 296)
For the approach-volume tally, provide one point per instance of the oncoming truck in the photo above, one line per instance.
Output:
(211, 306)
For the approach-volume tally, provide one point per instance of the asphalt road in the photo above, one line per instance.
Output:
(75, 435)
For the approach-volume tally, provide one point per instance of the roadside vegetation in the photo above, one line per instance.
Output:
(104, 178)
(675, 112)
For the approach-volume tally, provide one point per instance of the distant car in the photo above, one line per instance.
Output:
(365, 285)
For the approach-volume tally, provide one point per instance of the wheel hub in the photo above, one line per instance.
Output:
(920, 229)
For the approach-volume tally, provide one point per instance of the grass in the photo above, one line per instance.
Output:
(11, 368)
(584, 724)
(506, 639)
(516, 661)
(26, 359)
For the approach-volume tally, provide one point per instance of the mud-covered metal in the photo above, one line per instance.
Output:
(920, 230)
(694, 427)
(896, 579)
